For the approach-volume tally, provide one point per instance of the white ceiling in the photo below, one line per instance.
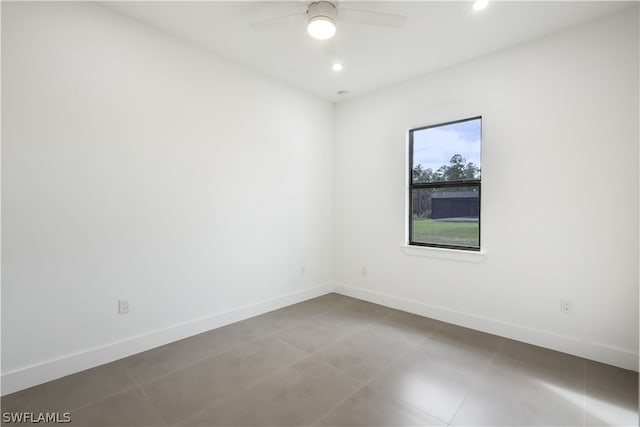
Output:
(435, 35)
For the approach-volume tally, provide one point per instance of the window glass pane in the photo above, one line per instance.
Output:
(447, 153)
(446, 216)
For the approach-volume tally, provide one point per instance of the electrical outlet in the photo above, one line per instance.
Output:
(123, 306)
(565, 306)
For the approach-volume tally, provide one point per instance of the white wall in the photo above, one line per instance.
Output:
(138, 166)
(559, 193)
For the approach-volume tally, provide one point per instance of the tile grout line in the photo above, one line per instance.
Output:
(337, 405)
(435, 331)
(253, 384)
(247, 387)
(110, 394)
(363, 383)
(398, 360)
(277, 371)
(104, 397)
(370, 380)
(566, 376)
(480, 381)
(232, 347)
(148, 399)
(305, 355)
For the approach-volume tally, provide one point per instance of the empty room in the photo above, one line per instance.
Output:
(297, 213)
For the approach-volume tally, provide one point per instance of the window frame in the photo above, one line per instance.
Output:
(443, 184)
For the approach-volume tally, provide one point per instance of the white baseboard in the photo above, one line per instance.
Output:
(573, 345)
(37, 374)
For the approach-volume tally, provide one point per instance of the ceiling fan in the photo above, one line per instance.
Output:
(321, 17)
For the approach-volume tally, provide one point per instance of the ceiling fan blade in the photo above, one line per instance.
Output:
(367, 17)
(268, 24)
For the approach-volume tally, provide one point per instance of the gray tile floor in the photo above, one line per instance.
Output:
(338, 361)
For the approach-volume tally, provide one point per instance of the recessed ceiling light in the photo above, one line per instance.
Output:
(480, 4)
(336, 67)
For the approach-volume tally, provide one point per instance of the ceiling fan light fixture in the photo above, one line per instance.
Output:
(321, 27)
(321, 24)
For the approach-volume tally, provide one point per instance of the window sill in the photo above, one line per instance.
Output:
(441, 253)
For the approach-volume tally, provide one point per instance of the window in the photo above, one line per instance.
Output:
(444, 185)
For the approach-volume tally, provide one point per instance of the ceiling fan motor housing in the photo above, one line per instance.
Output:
(321, 9)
